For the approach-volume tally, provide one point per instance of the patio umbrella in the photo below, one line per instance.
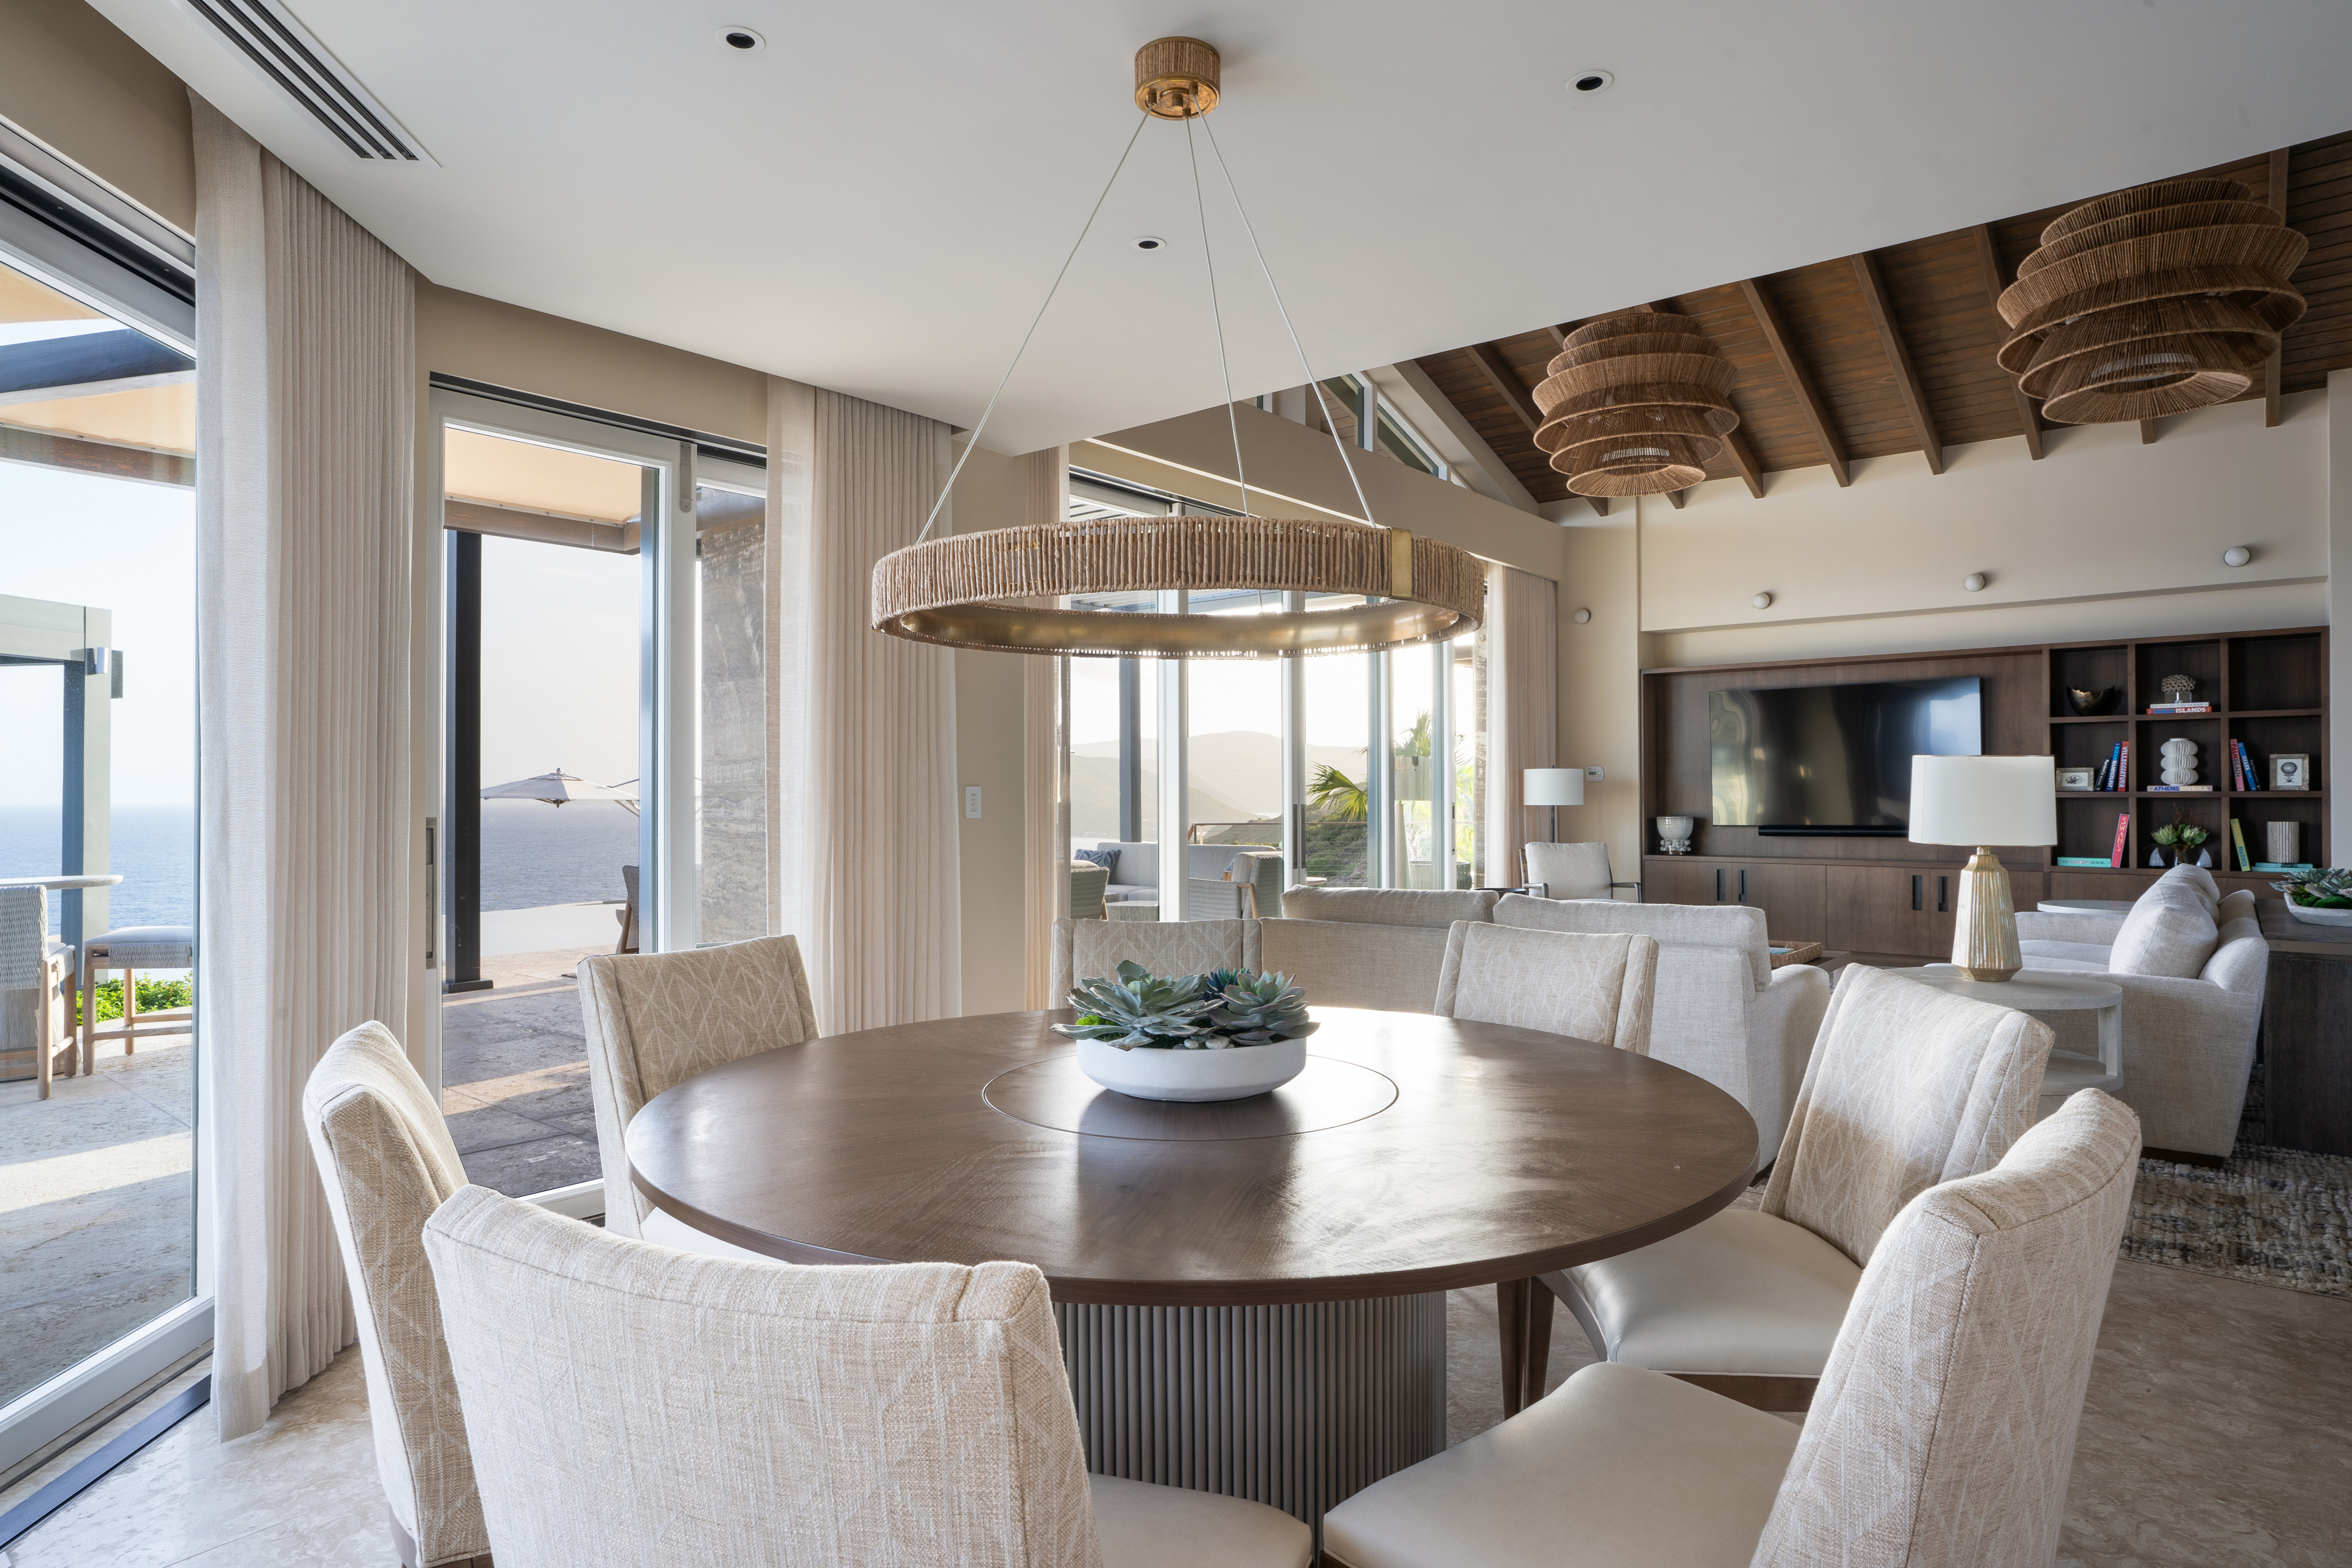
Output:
(557, 787)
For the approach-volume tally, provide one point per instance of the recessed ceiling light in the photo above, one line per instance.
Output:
(742, 40)
(1151, 241)
(1591, 82)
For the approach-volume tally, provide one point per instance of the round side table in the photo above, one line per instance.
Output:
(2037, 992)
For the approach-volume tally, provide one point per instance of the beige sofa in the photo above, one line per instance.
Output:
(2192, 967)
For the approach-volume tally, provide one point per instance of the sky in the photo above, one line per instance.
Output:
(560, 661)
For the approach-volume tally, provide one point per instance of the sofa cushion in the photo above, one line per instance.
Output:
(1139, 863)
(1391, 907)
(1739, 928)
(1107, 859)
(2170, 931)
(2196, 877)
(1348, 964)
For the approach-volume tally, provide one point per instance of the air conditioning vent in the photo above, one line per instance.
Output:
(299, 66)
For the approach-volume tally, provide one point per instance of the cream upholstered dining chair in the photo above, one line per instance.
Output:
(387, 1162)
(1943, 1435)
(1908, 1087)
(1571, 871)
(630, 1405)
(1593, 987)
(654, 1020)
(1084, 949)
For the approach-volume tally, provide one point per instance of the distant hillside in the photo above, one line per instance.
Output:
(1237, 777)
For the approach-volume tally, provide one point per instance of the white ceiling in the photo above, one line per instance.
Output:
(877, 201)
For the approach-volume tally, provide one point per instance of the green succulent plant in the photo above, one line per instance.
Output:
(1258, 1010)
(1140, 1009)
(2330, 889)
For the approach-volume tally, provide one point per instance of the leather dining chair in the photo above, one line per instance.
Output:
(1590, 986)
(654, 1020)
(385, 1158)
(634, 1406)
(1943, 1435)
(1908, 1088)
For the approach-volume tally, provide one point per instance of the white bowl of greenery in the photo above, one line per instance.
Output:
(1226, 1035)
(2319, 897)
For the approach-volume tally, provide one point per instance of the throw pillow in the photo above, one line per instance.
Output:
(1107, 859)
(2170, 931)
(2198, 878)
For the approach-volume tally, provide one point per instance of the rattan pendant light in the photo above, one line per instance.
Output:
(1005, 590)
(2154, 301)
(1635, 404)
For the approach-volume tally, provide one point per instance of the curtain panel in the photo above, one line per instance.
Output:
(1522, 706)
(306, 409)
(1044, 801)
(869, 857)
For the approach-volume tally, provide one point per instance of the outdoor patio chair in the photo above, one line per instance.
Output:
(627, 914)
(35, 968)
(128, 951)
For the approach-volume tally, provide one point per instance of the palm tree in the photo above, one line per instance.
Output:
(1342, 799)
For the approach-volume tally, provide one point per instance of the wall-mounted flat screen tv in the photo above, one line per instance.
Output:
(1833, 761)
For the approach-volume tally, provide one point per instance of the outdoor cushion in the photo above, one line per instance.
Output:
(149, 947)
(2170, 931)
(1139, 862)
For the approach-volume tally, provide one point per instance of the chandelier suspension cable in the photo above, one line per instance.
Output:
(1224, 366)
(1251, 229)
(969, 446)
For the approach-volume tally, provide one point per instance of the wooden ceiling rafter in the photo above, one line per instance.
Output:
(1898, 359)
(2274, 369)
(1988, 259)
(1801, 382)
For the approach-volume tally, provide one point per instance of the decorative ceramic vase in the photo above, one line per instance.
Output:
(1149, 1072)
(1674, 834)
(2090, 704)
(2178, 760)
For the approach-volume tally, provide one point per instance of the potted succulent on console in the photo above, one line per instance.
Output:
(2321, 897)
(1226, 1035)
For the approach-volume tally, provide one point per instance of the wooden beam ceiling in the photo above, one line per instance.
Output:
(1894, 352)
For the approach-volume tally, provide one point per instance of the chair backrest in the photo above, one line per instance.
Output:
(386, 1160)
(1086, 949)
(1943, 1430)
(654, 1020)
(628, 942)
(1086, 883)
(635, 1406)
(1734, 928)
(1343, 963)
(1434, 907)
(1908, 1086)
(1567, 871)
(1595, 988)
(23, 937)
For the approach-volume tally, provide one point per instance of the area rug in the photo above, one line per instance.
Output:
(2275, 1217)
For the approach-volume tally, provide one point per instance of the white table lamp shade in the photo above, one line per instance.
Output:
(1554, 786)
(1983, 801)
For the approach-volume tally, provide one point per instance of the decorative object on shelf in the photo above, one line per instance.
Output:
(1674, 834)
(2321, 897)
(2290, 771)
(1224, 1035)
(2074, 778)
(2151, 301)
(2180, 837)
(2177, 760)
(2089, 703)
(1784, 954)
(1552, 787)
(1635, 404)
(963, 590)
(2238, 845)
(2179, 688)
(2284, 842)
(1983, 802)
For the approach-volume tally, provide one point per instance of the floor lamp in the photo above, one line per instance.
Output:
(1553, 786)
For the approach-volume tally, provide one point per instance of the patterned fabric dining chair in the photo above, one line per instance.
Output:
(1587, 985)
(1084, 949)
(386, 1160)
(1943, 1436)
(654, 1020)
(1908, 1088)
(633, 1407)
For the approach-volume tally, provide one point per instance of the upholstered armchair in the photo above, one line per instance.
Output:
(1722, 1010)
(1571, 871)
(385, 1155)
(1595, 988)
(1943, 1433)
(631, 1406)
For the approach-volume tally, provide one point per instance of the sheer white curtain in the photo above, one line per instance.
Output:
(1522, 705)
(1044, 811)
(869, 856)
(306, 404)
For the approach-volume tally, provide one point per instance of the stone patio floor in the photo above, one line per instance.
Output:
(514, 1075)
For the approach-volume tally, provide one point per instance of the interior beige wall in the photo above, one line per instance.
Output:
(990, 493)
(1600, 666)
(71, 77)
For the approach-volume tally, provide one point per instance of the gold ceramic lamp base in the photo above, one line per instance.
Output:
(1984, 938)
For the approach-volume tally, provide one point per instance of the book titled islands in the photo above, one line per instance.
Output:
(2179, 707)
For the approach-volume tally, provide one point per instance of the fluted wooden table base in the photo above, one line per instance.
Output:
(1298, 1407)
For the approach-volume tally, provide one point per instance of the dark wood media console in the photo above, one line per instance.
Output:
(1892, 896)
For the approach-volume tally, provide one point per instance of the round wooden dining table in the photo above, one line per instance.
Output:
(1250, 1293)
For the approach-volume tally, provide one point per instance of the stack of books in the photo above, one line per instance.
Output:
(2242, 767)
(2116, 769)
(2179, 707)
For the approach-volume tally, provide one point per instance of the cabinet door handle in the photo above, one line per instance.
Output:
(1719, 884)
(1943, 895)
(1915, 892)
(1743, 885)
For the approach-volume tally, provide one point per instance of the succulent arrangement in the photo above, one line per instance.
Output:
(1216, 1011)
(2182, 836)
(2330, 889)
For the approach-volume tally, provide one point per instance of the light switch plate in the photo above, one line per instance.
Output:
(1592, 775)
(972, 800)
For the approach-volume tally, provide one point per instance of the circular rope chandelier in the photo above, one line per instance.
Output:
(1635, 404)
(2152, 301)
(1007, 590)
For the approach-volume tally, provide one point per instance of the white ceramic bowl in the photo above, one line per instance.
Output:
(1234, 1074)
(2319, 916)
